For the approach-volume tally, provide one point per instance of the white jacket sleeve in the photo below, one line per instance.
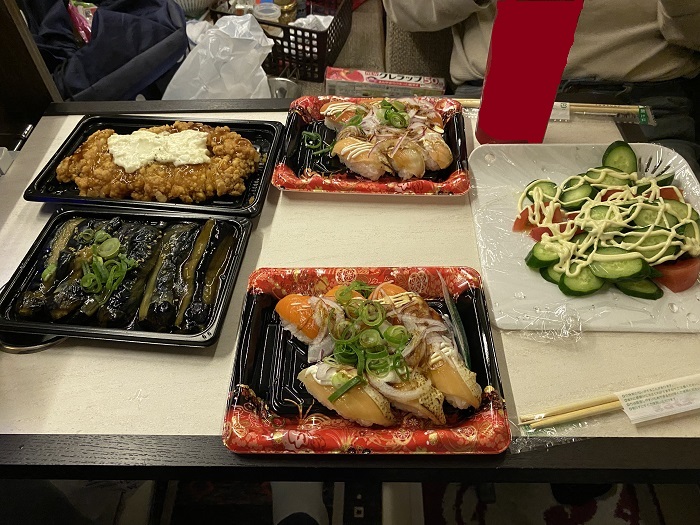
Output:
(430, 15)
(680, 22)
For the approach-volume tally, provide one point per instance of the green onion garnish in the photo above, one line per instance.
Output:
(311, 139)
(370, 338)
(354, 121)
(372, 313)
(49, 273)
(344, 388)
(396, 335)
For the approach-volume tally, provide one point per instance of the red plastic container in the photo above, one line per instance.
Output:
(530, 44)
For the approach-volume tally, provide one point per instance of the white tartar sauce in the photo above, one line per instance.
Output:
(142, 147)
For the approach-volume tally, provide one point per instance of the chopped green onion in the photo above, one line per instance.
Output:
(339, 378)
(109, 248)
(345, 354)
(344, 388)
(344, 331)
(398, 105)
(343, 295)
(87, 235)
(396, 335)
(400, 367)
(360, 362)
(90, 283)
(49, 273)
(370, 338)
(354, 121)
(397, 119)
(101, 236)
(372, 313)
(354, 307)
(325, 150)
(311, 139)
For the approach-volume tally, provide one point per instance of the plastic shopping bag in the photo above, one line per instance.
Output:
(226, 63)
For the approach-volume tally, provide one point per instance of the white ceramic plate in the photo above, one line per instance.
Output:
(520, 298)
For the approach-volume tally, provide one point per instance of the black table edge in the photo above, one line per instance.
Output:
(593, 460)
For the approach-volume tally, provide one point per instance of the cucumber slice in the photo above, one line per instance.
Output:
(690, 230)
(607, 176)
(649, 246)
(665, 179)
(650, 216)
(572, 199)
(584, 283)
(600, 213)
(609, 264)
(681, 210)
(549, 189)
(621, 156)
(643, 288)
(550, 274)
(541, 255)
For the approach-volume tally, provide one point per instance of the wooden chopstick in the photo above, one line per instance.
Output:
(574, 107)
(576, 415)
(569, 407)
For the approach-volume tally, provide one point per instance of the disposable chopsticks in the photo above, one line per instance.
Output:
(619, 111)
(572, 411)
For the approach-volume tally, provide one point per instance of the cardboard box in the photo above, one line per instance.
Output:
(358, 83)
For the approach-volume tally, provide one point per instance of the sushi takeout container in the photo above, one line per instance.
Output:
(238, 227)
(270, 412)
(264, 135)
(299, 169)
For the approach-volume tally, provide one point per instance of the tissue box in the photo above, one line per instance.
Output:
(358, 83)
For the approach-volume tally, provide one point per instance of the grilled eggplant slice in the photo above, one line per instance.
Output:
(209, 278)
(143, 246)
(161, 298)
(33, 301)
(189, 269)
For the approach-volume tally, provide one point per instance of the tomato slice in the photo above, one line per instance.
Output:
(522, 222)
(670, 193)
(680, 275)
(537, 232)
(609, 193)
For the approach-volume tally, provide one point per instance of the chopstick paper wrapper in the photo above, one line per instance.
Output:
(562, 111)
(642, 404)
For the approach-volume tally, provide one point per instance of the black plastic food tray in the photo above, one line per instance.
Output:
(11, 322)
(269, 358)
(265, 136)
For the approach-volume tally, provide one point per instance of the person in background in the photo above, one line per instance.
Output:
(643, 52)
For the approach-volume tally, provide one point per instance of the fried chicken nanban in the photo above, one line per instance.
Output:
(93, 170)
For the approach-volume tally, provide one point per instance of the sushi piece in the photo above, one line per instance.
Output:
(417, 396)
(307, 319)
(362, 157)
(450, 375)
(337, 114)
(436, 354)
(437, 154)
(362, 403)
(406, 158)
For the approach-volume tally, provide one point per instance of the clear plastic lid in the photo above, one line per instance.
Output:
(268, 12)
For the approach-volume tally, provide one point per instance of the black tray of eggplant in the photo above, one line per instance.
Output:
(147, 277)
(264, 135)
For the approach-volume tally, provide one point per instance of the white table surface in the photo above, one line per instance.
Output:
(91, 387)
